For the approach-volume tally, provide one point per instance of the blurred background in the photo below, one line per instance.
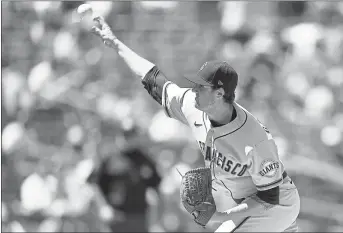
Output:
(70, 106)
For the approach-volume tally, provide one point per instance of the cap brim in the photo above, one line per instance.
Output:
(191, 81)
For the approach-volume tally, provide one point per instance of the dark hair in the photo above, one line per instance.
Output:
(229, 98)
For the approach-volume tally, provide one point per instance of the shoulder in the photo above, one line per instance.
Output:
(173, 90)
(253, 127)
(183, 96)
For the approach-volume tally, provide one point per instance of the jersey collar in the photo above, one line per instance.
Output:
(232, 126)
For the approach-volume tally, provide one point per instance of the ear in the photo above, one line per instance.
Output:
(220, 92)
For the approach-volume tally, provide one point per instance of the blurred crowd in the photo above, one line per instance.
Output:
(69, 103)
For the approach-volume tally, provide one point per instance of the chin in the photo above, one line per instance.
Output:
(196, 105)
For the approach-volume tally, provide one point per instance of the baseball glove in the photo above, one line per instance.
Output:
(196, 195)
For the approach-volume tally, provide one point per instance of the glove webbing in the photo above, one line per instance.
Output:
(183, 176)
(197, 175)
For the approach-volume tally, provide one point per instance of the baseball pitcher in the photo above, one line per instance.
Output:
(244, 186)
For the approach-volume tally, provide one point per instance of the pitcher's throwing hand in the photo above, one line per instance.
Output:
(103, 31)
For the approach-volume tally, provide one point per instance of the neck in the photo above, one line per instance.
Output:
(221, 114)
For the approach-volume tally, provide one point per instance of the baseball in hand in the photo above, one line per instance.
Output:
(85, 12)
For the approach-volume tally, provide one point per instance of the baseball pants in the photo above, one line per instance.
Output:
(272, 218)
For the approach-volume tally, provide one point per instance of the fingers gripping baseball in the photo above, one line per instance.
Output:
(103, 31)
(95, 30)
(101, 21)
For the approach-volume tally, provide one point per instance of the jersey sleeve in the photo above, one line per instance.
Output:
(176, 101)
(266, 167)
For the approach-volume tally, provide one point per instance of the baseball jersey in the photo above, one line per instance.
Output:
(242, 153)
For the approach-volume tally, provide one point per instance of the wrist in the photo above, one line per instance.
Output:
(115, 42)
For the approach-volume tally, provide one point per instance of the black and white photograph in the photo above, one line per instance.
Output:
(171, 116)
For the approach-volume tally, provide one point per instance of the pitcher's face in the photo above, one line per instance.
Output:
(205, 97)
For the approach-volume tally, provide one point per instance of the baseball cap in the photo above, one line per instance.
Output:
(216, 74)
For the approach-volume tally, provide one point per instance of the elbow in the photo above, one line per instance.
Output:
(144, 68)
(153, 82)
